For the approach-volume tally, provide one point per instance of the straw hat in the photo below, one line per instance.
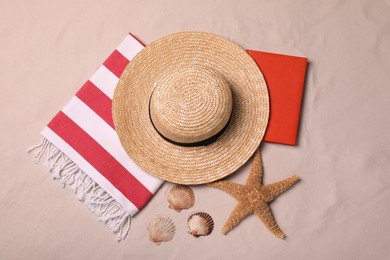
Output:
(191, 108)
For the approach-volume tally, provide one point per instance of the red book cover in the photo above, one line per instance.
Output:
(285, 77)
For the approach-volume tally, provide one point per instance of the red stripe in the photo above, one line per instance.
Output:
(97, 101)
(100, 159)
(116, 63)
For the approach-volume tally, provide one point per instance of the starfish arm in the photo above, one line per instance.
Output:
(265, 215)
(234, 189)
(238, 214)
(273, 190)
(255, 178)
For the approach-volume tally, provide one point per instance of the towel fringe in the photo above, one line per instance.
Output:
(96, 199)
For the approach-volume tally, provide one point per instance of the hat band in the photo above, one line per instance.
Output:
(200, 143)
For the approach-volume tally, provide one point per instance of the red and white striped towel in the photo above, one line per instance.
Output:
(83, 150)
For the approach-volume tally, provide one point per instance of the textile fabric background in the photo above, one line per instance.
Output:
(339, 210)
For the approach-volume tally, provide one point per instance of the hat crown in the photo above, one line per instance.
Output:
(191, 104)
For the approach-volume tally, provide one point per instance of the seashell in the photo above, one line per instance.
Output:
(161, 229)
(200, 224)
(180, 197)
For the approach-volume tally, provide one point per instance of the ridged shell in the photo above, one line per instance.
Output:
(180, 197)
(200, 224)
(161, 229)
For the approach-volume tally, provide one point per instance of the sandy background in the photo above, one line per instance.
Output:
(340, 209)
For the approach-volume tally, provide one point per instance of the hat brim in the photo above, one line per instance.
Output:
(183, 164)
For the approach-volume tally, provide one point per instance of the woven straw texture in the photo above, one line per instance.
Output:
(241, 97)
(191, 104)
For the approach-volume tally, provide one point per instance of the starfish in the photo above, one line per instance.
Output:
(253, 197)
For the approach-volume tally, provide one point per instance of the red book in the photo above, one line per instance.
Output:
(285, 77)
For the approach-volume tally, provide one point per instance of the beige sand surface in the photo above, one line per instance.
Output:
(340, 209)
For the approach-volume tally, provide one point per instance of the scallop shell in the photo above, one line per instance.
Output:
(200, 224)
(161, 229)
(180, 197)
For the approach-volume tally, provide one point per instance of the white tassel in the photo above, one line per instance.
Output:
(97, 200)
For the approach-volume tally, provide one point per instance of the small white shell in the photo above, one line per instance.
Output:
(180, 197)
(161, 229)
(200, 224)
